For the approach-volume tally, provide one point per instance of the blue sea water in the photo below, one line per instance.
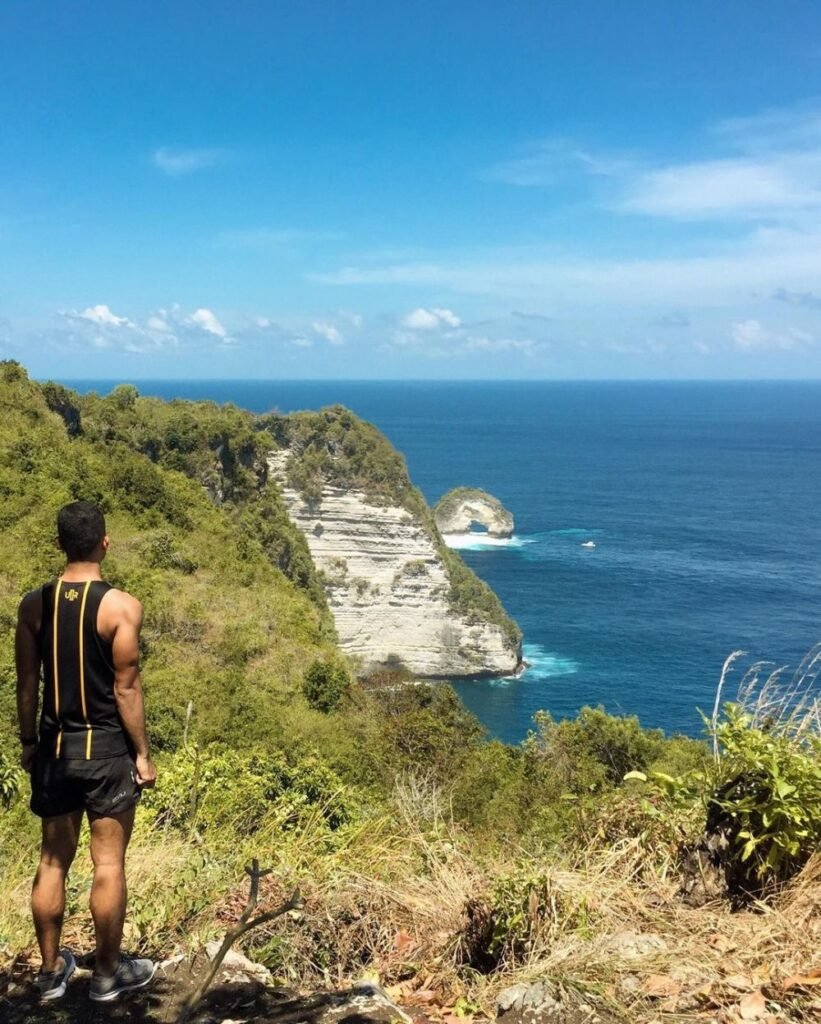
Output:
(703, 500)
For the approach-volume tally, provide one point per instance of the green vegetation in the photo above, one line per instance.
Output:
(387, 803)
(226, 625)
(325, 685)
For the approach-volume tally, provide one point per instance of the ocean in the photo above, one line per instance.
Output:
(703, 501)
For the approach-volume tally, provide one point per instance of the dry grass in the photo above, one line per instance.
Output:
(389, 897)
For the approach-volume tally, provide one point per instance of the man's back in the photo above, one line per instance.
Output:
(90, 755)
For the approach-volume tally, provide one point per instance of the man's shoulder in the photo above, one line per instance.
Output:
(118, 610)
(31, 605)
(121, 600)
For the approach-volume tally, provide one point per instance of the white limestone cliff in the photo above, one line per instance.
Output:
(388, 588)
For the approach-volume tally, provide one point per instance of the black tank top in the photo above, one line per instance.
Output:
(79, 718)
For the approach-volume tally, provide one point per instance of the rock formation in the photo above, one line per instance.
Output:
(461, 508)
(389, 588)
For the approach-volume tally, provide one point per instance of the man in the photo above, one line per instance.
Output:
(91, 753)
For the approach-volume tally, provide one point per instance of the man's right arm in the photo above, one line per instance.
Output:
(127, 687)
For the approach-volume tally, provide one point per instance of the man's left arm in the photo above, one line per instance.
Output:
(27, 658)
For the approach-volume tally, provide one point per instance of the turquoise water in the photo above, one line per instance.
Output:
(703, 501)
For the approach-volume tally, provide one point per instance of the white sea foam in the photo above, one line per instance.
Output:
(539, 664)
(482, 541)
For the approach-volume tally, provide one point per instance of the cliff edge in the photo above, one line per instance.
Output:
(397, 594)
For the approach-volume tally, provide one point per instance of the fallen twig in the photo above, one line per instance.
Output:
(245, 924)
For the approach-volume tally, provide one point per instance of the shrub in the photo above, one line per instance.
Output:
(770, 786)
(11, 779)
(325, 684)
(593, 750)
(220, 789)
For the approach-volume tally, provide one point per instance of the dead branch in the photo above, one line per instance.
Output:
(245, 924)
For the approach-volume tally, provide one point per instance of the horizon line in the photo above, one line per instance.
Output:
(431, 380)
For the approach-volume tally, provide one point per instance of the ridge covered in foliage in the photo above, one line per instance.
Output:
(443, 860)
(333, 447)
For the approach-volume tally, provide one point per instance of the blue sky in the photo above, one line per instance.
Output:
(382, 189)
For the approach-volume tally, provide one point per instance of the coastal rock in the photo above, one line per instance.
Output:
(388, 588)
(238, 966)
(460, 509)
(632, 945)
(538, 998)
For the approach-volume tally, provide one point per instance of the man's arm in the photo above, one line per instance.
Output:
(128, 690)
(27, 659)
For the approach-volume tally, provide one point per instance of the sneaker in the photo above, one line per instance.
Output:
(130, 975)
(52, 984)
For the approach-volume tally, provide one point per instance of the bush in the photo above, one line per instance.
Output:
(593, 750)
(11, 779)
(770, 787)
(325, 684)
(220, 789)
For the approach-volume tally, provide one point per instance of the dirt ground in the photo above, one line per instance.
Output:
(234, 1001)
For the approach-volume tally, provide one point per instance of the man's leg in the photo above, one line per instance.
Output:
(48, 895)
(109, 840)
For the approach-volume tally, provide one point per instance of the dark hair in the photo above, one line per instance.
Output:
(80, 528)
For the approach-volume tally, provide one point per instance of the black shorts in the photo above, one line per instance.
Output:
(103, 786)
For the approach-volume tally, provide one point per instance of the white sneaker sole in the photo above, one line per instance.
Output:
(60, 991)
(115, 993)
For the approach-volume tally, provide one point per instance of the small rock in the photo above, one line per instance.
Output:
(630, 984)
(536, 998)
(635, 944)
(237, 964)
(509, 997)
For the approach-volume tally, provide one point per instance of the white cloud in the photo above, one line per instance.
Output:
(101, 315)
(723, 273)
(205, 319)
(739, 187)
(770, 168)
(751, 335)
(157, 322)
(792, 128)
(179, 161)
(430, 319)
(328, 331)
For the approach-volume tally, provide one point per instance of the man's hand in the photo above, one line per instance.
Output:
(146, 772)
(27, 756)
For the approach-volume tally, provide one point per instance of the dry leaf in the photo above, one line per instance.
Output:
(422, 995)
(753, 1006)
(402, 940)
(720, 942)
(659, 986)
(812, 977)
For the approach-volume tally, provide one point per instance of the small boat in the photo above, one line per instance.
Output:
(588, 543)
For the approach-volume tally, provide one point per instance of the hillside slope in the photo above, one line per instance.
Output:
(225, 627)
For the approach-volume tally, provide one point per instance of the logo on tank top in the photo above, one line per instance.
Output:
(71, 595)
